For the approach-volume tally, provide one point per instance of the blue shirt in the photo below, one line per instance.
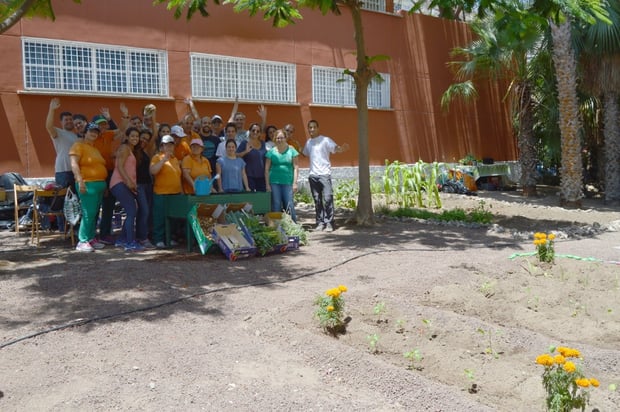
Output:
(232, 176)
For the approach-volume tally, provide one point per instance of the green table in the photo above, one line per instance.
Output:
(178, 206)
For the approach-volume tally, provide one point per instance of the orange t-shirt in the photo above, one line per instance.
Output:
(200, 167)
(107, 146)
(182, 149)
(168, 180)
(92, 164)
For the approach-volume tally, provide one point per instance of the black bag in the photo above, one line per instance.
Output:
(7, 208)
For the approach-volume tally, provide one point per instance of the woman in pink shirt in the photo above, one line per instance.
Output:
(124, 187)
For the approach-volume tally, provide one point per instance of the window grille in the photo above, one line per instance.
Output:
(223, 77)
(331, 86)
(54, 65)
(373, 5)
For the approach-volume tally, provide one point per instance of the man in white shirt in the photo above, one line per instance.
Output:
(318, 149)
(62, 138)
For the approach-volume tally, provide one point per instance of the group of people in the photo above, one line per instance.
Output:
(138, 162)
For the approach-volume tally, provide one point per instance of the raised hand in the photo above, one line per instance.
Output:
(262, 112)
(124, 109)
(105, 112)
(55, 103)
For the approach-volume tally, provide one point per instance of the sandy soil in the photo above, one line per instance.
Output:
(172, 330)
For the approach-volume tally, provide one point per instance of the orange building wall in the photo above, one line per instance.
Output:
(414, 128)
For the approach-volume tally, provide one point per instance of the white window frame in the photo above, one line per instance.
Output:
(216, 77)
(332, 87)
(90, 68)
(374, 5)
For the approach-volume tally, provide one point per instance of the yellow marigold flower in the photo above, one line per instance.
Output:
(330, 308)
(545, 360)
(342, 288)
(334, 292)
(583, 382)
(559, 359)
(569, 352)
(538, 235)
(594, 382)
(569, 366)
(551, 236)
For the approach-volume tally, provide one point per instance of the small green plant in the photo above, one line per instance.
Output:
(544, 246)
(414, 356)
(456, 214)
(379, 308)
(489, 349)
(400, 325)
(564, 381)
(373, 343)
(330, 310)
(346, 193)
(487, 289)
(469, 374)
(406, 184)
(303, 195)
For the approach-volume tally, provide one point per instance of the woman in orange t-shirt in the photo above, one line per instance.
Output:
(166, 173)
(194, 165)
(90, 173)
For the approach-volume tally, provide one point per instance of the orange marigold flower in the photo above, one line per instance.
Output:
(594, 382)
(342, 288)
(545, 359)
(583, 382)
(569, 352)
(569, 366)
(559, 359)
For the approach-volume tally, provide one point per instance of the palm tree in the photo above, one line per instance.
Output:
(601, 77)
(504, 49)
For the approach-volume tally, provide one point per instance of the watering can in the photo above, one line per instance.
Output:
(202, 185)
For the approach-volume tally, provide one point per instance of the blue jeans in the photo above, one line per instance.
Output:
(145, 199)
(323, 195)
(128, 200)
(282, 199)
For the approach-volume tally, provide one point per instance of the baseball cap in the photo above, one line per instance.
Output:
(216, 117)
(99, 119)
(167, 139)
(92, 126)
(177, 130)
(197, 141)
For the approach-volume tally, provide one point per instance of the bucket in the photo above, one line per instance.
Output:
(202, 186)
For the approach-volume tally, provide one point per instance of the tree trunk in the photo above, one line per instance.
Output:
(10, 21)
(571, 170)
(364, 214)
(526, 140)
(612, 148)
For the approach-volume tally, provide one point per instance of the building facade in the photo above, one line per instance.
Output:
(102, 54)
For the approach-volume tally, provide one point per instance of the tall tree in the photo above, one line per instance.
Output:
(283, 13)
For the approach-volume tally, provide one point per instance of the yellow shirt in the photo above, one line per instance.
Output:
(200, 167)
(168, 180)
(92, 164)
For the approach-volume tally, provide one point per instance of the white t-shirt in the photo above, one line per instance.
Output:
(318, 149)
(62, 143)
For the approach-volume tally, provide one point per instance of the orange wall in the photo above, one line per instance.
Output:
(418, 46)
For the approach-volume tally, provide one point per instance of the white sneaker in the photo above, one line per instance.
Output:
(95, 244)
(147, 244)
(329, 228)
(160, 245)
(84, 247)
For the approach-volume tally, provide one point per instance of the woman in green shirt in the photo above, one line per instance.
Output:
(281, 171)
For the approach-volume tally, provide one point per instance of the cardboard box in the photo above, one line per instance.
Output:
(203, 234)
(233, 242)
(272, 218)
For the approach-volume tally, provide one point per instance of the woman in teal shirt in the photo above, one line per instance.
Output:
(281, 171)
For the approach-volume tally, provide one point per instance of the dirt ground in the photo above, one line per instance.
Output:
(172, 330)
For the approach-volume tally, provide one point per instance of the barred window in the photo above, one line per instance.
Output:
(224, 77)
(331, 86)
(54, 65)
(373, 5)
